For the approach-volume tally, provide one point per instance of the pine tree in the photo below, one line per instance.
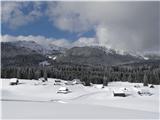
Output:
(145, 80)
(45, 75)
(18, 73)
(37, 74)
(130, 78)
(105, 81)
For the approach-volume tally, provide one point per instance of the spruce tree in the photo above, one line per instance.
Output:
(145, 80)
(105, 81)
(130, 78)
(18, 73)
(45, 75)
(37, 74)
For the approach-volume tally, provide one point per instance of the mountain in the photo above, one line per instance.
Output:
(95, 55)
(120, 52)
(41, 49)
(15, 52)
(153, 56)
(16, 55)
(9, 50)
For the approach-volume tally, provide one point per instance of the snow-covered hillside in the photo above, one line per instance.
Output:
(83, 102)
(39, 48)
(47, 48)
(121, 52)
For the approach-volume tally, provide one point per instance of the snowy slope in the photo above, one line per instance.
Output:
(82, 102)
(121, 52)
(47, 48)
(96, 55)
(40, 48)
(52, 110)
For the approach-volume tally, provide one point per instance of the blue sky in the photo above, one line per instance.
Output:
(42, 26)
(126, 26)
(45, 28)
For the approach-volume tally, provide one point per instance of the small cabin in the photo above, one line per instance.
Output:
(69, 83)
(57, 82)
(42, 79)
(76, 81)
(119, 93)
(14, 81)
(144, 92)
(99, 86)
(63, 90)
(152, 86)
(137, 86)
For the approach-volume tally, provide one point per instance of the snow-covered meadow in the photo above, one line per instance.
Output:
(33, 99)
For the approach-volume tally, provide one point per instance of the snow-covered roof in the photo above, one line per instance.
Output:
(13, 80)
(41, 79)
(57, 80)
(76, 80)
(144, 90)
(70, 82)
(63, 88)
(99, 86)
(120, 90)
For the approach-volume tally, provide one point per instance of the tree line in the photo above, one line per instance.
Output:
(86, 73)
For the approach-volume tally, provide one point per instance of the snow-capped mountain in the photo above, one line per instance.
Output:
(96, 55)
(39, 48)
(80, 55)
(142, 56)
(51, 49)
(155, 56)
(121, 52)
(12, 55)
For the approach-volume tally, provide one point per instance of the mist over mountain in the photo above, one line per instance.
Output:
(33, 52)
(155, 56)
(41, 49)
(95, 55)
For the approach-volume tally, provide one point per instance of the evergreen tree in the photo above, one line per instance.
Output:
(130, 79)
(145, 80)
(105, 81)
(37, 74)
(45, 75)
(18, 73)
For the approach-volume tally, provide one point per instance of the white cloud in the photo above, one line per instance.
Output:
(81, 16)
(62, 43)
(39, 39)
(121, 25)
(13, 15)
(102, 36)
(68, 16)
(118, 25)
(83, 41)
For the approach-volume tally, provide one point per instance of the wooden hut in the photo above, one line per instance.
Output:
(14, 81)
(119, 93)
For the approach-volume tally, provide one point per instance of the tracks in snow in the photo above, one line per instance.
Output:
(86, 95)
(54, 100)
(18, 100)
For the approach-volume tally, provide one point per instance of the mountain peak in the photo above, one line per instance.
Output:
(39, 48)
(95, 55)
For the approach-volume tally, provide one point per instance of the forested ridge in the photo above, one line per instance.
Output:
(89, 64)
(87, 73)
